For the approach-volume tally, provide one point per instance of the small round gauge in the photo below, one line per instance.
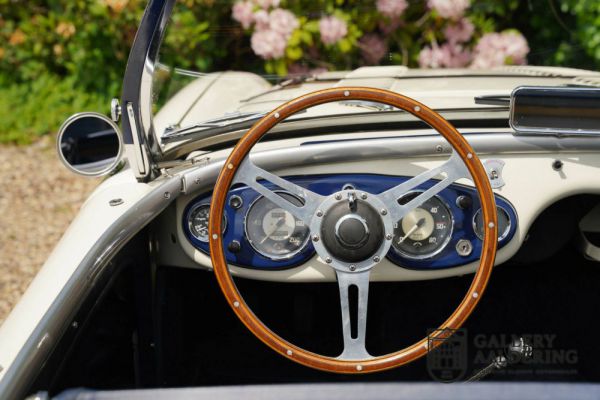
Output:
(198, 222)
(274, 232)
(503, 223)
(424, 231)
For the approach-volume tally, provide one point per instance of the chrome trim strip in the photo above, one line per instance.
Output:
(141, 166)
(202, 177)
(50, 329)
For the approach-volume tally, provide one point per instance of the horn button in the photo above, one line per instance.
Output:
(352, 231)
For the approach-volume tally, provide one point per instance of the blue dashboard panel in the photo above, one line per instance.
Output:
(325, 185)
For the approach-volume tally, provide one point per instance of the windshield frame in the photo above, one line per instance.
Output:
(136, 98)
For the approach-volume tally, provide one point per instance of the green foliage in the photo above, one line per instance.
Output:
(36, 108)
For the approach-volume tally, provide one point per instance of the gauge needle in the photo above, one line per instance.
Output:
(279, 222)
(412, 230)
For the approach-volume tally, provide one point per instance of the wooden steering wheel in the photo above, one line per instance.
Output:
(381, 210)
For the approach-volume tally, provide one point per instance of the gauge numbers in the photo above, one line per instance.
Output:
(274, 232)
(198, 222)
(503, 223)
(424, 231)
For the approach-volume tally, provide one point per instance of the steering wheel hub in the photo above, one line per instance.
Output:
(352, 232)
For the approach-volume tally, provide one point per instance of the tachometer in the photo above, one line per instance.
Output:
(198, 222)
(425, 231)
(274, 232)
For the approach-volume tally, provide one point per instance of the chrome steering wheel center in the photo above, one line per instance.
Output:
(352, 231)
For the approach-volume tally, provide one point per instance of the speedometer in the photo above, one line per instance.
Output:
(424, 231)
(274, 232)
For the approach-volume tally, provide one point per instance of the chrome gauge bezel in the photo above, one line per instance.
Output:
(446, 240)
(268, 256)
(189, 221)
(500, 236)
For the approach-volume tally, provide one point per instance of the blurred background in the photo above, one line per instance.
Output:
(58, 57)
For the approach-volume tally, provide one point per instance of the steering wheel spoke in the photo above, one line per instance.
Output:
(354, 299)
(252, 175)
(453, 169)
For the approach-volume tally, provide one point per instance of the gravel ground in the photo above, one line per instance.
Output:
(39, 198)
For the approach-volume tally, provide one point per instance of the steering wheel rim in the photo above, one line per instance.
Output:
(361, 364)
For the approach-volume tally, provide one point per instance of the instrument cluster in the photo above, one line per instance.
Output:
(445, 231)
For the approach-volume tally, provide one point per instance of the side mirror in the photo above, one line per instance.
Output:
(90, 144)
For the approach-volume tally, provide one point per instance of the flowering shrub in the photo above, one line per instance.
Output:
(81, 46)
(289, 36)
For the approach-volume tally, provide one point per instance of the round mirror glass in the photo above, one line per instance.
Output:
(89, 144)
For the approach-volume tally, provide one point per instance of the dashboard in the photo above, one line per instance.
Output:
(444, 232)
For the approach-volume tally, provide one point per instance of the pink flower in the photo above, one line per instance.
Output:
(373, 48)
(459, 32)
(391, 8)
(451, 9)
(332, 29)
(283, 22)
(389, 26)
(268, 44)
(296, 70)
(265, 4)
(242, 13)
(496, 49)
(446, 56)
(261, 19)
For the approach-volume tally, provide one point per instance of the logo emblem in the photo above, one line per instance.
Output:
(447, 359)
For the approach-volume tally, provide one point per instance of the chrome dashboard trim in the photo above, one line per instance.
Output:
(202, 177)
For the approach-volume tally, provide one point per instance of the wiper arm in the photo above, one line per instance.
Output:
(289, 82)
(175, 134)
(213, 127)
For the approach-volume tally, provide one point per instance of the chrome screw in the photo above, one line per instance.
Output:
(315, 238)
(376, 259)
(328, 260)
(439, 148)
(388, 236)
(167, 195)
(319, 213)
(383, 211)
(352, 267)
(363, 196)
(338, 196)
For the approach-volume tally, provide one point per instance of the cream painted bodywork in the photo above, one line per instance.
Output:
(94, 218)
